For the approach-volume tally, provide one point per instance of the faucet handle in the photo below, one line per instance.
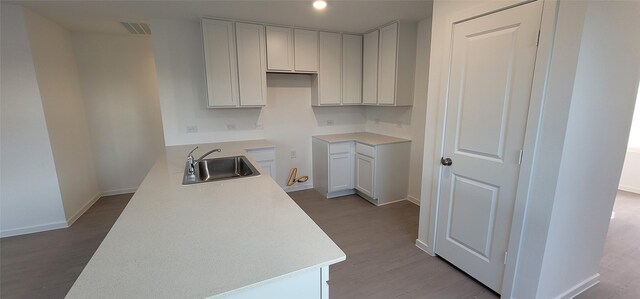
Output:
(191, 152)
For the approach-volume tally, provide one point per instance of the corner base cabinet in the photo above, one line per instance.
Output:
(333, 168)
(379, 173)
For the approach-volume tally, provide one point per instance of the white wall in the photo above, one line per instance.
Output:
(630, 178)
(288, 120)
(30, 196)
(602, 102)
(118, 79)
(64, 112)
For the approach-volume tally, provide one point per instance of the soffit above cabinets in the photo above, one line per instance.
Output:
(341, 16)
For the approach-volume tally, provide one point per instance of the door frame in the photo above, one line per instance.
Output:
(534, 121)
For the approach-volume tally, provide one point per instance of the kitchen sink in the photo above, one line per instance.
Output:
(211, 170)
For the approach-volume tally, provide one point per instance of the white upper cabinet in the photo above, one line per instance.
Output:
(327, 86)
(339, 80)
(376, 68)
(252, 64)
(370, 68)
(394, 65)
(351, 69)
(292, 50)
(305, 50)
(387, 63)
(280, 49)
(220, 63)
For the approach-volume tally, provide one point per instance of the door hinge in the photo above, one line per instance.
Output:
(520, 157)
(506, 254)
(538, 40)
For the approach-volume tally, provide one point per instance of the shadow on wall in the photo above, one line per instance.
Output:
(398, 116)
(338, 116)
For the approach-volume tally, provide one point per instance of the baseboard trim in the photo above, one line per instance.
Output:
(298, 187)
(340, 193)
(413, 200)
(33, 229)
(580, 287)
(390, 202)
(83, 209)
(424, 247)
(69, 221)
(629, 189)
(118, 191)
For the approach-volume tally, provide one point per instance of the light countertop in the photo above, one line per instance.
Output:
(362, 137)
(203, 240)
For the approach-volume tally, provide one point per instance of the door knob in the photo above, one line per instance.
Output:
(446, 161)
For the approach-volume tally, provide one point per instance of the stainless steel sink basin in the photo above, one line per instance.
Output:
(210, 170)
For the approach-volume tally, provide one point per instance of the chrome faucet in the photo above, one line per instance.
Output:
(192, 163)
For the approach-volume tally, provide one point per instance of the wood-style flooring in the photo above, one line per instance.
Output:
(620, 264)
(46, 264)
(382, 260)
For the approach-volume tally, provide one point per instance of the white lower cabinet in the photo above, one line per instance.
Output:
(333, 168)
(340, 172)
(266, 159)
(310, 284)
(365, 172)
(378, 173)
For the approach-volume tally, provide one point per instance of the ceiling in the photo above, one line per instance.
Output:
(355, 16)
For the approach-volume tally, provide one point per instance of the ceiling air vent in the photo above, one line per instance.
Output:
(137, 28)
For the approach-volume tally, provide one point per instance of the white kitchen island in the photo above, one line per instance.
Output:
(239, 238)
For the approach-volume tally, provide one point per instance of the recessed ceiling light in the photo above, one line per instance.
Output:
(319, 4)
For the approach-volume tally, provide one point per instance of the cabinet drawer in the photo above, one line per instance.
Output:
(339, 148)
(366, 150)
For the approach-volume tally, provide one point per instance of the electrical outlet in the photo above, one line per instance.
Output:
(399, 124)
(329, 122)
(231, 127)
(192, 129)
(293, 154)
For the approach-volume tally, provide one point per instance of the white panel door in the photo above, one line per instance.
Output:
(492, 63)
(387, 62)
(370, 68)
(330, 72)
(365, 175)
(306, 50)
(252, 64)
(340, 173)
(279, 48)
(220, 63)
(351, 69)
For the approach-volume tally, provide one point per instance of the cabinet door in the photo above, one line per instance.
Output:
(220, 63)
(268, 168)
(387, 65)
(330, 73)
(370, 68)
(340, 173)
(351, 69)
(365, 173)
(306, 50)
(279, 49)
(252, 65)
